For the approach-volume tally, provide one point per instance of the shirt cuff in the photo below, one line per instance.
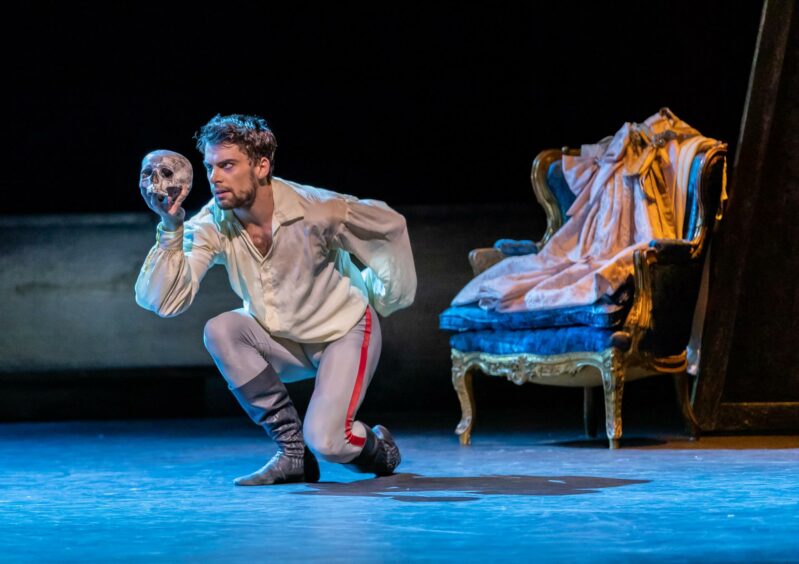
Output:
(169, 240)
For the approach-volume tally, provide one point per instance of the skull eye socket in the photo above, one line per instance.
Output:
(166, 173)
(147, 171)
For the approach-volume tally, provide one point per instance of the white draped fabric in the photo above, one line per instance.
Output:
(630, 188)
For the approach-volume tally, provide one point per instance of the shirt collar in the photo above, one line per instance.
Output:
(287, 201)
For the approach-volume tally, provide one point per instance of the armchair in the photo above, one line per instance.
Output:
(640, 331)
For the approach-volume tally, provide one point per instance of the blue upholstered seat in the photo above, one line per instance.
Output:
(556, 340)
(608, 312)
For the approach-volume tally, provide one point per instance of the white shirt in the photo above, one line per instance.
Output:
(306, 288)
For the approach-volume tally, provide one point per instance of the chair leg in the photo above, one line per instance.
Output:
(683, 398)
(589, 413)
(462, 382)
(613, 385)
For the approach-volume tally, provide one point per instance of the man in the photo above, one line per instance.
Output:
(308, 310)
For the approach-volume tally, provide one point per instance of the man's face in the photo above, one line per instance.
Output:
(233, 178)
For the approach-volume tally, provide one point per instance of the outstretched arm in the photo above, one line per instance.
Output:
(171, 274)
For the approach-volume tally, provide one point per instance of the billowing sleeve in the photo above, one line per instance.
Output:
(378, 236)
(171, 274)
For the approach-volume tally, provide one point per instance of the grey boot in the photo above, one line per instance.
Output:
(380, 454)
(267, 402)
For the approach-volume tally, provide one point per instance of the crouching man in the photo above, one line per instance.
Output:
(308, 311)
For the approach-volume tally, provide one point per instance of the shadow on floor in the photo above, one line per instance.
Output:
(408, 487)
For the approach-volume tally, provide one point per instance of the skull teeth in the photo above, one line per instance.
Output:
(155, 190)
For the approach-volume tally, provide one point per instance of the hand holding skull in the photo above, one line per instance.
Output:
(165, 181)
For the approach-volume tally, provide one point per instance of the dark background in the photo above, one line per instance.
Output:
(409, 104)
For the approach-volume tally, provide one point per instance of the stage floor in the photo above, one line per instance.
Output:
(161, 490)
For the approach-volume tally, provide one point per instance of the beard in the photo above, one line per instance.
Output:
(243, 199)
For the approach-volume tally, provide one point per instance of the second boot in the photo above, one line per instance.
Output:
(380, 454)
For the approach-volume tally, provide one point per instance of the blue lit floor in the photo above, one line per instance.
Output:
(161, 491)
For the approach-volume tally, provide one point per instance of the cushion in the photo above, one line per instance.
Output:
(560, 189)
(559, 340)
(513, 247)
(608, 312)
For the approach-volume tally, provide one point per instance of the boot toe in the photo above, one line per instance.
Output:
(281, 469)
(392, 453)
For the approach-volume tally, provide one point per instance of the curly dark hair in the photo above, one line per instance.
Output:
(250, 133)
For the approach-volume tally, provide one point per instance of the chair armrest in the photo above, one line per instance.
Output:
(482, 259)
(667, 277)
(673, 251)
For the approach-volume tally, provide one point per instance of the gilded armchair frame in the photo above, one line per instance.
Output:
(628, 358)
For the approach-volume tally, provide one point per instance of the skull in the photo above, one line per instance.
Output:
(166, 174)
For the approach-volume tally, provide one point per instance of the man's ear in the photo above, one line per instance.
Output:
(262, 168)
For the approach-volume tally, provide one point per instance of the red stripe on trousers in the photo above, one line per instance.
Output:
(356, 392)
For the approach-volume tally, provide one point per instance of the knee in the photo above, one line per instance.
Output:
(323, 442)
(219, 331)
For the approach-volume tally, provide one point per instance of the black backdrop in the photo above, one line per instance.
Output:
(410, 104)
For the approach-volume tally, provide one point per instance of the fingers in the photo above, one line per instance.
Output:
(173, 206)
(166, 207)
